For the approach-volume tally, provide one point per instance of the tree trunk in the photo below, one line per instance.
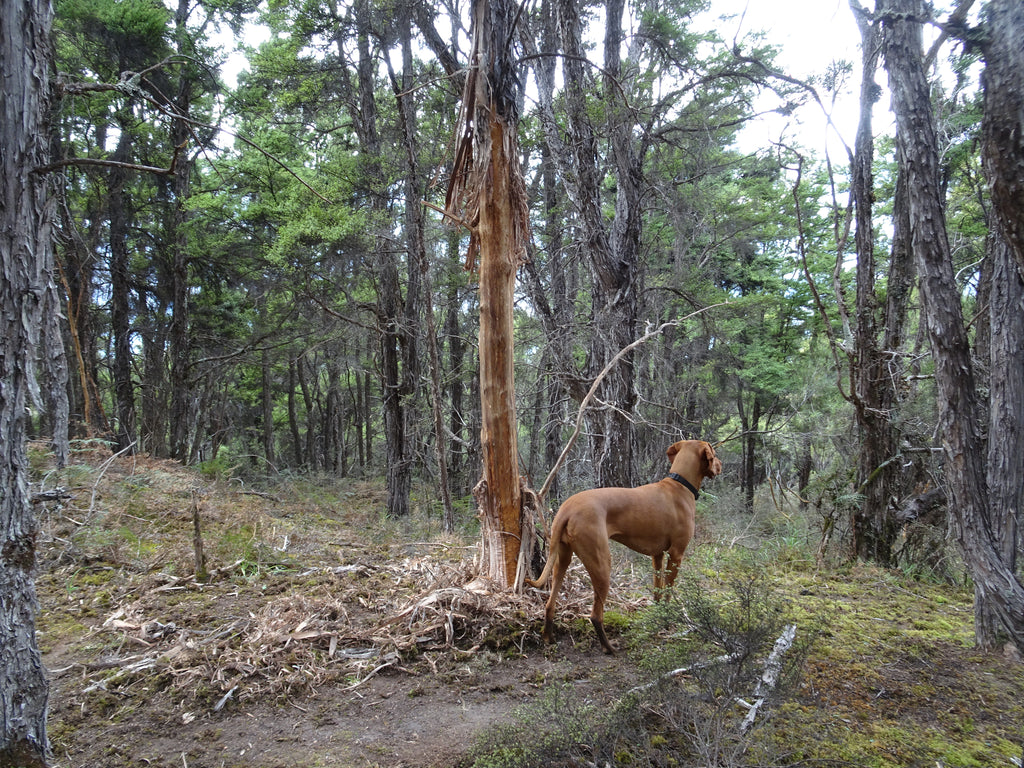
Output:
(616, 271)
(750, 426)
(395, 344)
(873, 390)
(456, 363)
(487, 187)
(1003, 153)
(419, 264)
(612, 251)
(312, 455)
(1006, 414)
(120, 289)
(998, 595)
(181, 415)
(293, 414)
(26, 261)
(1003, 120)
(267, 387)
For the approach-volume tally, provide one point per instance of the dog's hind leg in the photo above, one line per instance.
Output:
(563, 556)
(598, 562)
(673, 569)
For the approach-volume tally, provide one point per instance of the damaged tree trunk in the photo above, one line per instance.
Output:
(487, 192)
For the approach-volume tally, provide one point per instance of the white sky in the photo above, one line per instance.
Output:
(811, 35)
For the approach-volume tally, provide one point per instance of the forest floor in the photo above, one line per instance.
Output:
(325, 635)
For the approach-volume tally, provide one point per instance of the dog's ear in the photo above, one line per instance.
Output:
(672, 451)
(714, 465)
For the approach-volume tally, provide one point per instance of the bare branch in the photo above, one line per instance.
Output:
(543, 492)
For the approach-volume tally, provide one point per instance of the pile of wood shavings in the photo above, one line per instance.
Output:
(295, 643)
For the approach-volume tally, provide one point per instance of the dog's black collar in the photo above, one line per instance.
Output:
(686, 484)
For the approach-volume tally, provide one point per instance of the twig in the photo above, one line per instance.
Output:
(680, 671)
(103, 470)
(391, 660)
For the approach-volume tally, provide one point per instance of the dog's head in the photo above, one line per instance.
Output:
(710, 464)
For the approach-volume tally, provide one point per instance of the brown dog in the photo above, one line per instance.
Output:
(652, 519)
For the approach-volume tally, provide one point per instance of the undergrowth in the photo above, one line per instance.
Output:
(705, 652)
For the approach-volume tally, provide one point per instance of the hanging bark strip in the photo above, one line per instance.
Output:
(487, 191)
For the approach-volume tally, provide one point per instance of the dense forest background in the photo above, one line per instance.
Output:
(259, 279)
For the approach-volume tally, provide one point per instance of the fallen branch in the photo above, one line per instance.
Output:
(680, 671)
(770, 676)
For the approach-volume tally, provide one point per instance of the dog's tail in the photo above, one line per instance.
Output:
(549, 566)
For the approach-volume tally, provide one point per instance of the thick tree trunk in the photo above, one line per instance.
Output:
(1003, 120)
(999, 596)
(26, 261)
(487, 188)
(1006, 415)
(1003, 154)
(501, 503)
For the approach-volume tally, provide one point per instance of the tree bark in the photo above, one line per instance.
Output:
(1003, 120)
(396, 344)
(1003, 158)
(419, 264)
(1006, 415)
(612, 251)
(26, 260)
(120, 288)
(487, 190)
(267, 400)
(456, 363)
(750, 428)
(998, 595)
(181, 416)
(873, 390)
(616, 285)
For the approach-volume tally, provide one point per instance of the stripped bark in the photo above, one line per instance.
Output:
(487, 192)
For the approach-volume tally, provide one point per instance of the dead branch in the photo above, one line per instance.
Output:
(769, 677)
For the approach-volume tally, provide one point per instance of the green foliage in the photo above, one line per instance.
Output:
(112, 36)
(701, 650)
(283, 231)
(549, 732)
